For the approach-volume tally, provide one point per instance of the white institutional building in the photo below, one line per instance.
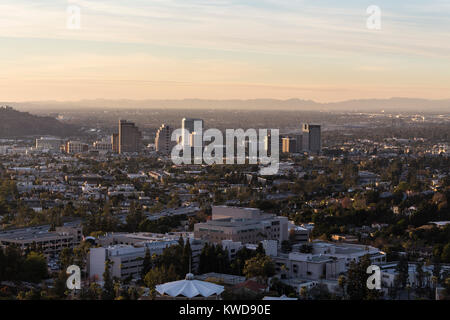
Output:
(245, 225)
(127, 250)
(326, 260)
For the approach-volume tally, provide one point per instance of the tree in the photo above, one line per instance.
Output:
(260, 249)
(215, 259)
(147, 263)
(34, 267)
(2, 264)
(186, 258)
(286, 246)
(420, 277)
(320, 292)
(357, 279)
(134, 218)
(342, 282)
(281, 288)
(60, 284)
(447, 287)
(403, 272)
(65, 258)
(445, 256)
(80, 254)
(242, 255)
(108, 283)
(304, 293)
(94, 292)
(261, 267)
(159, 275)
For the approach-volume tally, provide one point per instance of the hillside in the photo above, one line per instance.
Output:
(14, 123)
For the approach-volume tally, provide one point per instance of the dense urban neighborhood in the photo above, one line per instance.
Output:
(140, 227)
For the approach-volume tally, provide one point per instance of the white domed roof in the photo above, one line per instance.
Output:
(189, 288)
(189, 276)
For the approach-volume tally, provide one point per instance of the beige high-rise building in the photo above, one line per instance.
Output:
(163, 142)
(130, 138)
(292, 144)
(289, 145)
(115, 142)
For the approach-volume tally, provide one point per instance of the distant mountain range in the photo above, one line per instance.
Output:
(14, 123)
(363, 105)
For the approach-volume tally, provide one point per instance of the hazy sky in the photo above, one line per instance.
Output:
(223, 49)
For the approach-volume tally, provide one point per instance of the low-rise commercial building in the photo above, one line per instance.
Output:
(50, 242)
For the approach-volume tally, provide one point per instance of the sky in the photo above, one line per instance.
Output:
(223, 49)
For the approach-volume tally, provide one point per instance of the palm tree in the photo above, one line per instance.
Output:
(304, 293)
(434, 280)
(408, 289)
(342, 282)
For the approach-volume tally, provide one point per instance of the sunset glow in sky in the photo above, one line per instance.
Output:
(224, 49)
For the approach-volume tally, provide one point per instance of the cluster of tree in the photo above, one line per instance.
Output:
(281, 288)
(113, 289)
(173, 264)
(162, 225)
(260, 267)
(16, 266)
(8, 196)
(135, 221)
(76, 256)
(441, 252)
(214, 258)
(103, 221)
(354, 286)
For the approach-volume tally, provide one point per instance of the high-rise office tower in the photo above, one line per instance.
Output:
(196, 145)
(298, 143)
(163, 142)
(130, 138)
(311, 138)
(189, 125)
